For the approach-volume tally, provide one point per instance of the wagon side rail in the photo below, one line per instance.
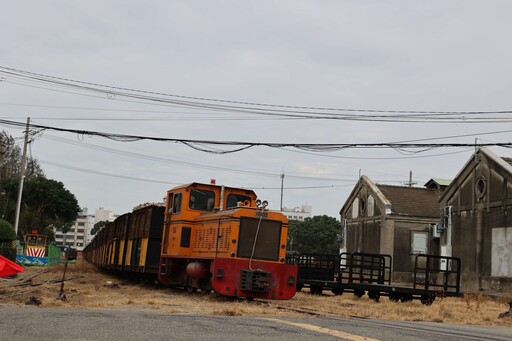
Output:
(437, 273)
(361, 267)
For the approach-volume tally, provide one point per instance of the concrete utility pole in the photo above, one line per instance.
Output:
(22, 179)
(282, 182)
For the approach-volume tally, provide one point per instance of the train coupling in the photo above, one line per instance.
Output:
(255, 280)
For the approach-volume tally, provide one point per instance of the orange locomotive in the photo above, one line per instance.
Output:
(222, 239)
(208, 238)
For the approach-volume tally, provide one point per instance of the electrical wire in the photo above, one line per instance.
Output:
(289, 111)
(211, 146)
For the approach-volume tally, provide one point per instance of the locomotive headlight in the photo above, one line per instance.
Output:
(264, 204)
(258, 203)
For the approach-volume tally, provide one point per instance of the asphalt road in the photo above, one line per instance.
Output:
(32, 323)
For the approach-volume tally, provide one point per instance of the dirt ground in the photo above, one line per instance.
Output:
(86, 287)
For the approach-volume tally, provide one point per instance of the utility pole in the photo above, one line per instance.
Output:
(410, 182)
(22, 178)
(282, 182)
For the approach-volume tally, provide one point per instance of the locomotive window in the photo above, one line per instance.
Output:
(267, 239)
(185, 236)
(176, 205)
(201, 200)
(32, 240)
(234, 199)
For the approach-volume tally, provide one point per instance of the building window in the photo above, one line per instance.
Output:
(355, 208)
(419, 242)
(481, 187)
(371, 206)
(362, 206)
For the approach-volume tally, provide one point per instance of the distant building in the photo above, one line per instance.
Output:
(78, 235)
(439, 184)
(298, 213)
(101, 214)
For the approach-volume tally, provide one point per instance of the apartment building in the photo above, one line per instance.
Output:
(298, 213)
(79, 235)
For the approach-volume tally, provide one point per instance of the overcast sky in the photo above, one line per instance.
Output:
(381, 55)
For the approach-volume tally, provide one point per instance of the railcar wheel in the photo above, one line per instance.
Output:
(359, 293)
(394, 297)
(206, 291)
(374, 295)
(337, 291)
(191, 290)
(316, 290)
(427, 299)
(406, 298)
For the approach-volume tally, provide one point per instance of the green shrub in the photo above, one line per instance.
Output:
(6, 231)
(8, 252)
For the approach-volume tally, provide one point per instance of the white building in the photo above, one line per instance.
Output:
(79, 235)
(101, 214)
(298, 213)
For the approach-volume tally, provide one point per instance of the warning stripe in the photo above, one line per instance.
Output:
(35, 252)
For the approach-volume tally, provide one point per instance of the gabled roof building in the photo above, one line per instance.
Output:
(477, 208)
(392, 220)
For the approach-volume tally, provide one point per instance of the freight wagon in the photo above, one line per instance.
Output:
(369, 273)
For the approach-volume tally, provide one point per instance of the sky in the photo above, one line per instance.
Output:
(258, 72)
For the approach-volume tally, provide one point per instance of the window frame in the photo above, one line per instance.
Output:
(415, 249)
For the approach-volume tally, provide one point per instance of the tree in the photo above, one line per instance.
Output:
(10, 165)
(7, 236)
(10, 160)
(98, 226)
(45, 202)
(48, 231)
(320, 234)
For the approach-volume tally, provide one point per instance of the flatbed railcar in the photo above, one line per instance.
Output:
(368, 273)
(206, 237)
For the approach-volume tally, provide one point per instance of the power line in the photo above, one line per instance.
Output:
(118, 176)
(182, 163)
(201, 145)
(288, 111)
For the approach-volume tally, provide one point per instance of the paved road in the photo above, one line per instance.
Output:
(31, 323)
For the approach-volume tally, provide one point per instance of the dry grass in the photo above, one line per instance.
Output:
(89, 288)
